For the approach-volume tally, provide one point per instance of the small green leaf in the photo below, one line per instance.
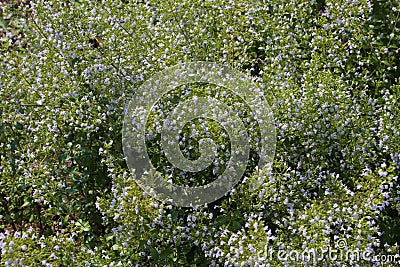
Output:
(377, 42)
(109, 237)
(18, 126)
(26, 203)
(75, 60)
(165, 253)
(236, 225)
(84, 226)
(223, 219)
(154, 253)
(2, 23)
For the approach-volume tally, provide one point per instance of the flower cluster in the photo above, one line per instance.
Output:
(329, 69)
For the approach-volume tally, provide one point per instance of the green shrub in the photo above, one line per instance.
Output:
(69, 68)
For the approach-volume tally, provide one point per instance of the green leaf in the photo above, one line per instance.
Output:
(377, 42)
(75, 60)
(154, 253)
(236, 225)
(18, 126)
(2, 23)
(174, 215)
(165, 253)
(109, 237)
(223, 219)
(26, 203)
(84, 226)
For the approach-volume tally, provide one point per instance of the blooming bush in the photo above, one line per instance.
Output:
(328, 68)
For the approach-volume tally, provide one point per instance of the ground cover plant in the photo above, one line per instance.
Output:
(328, 68)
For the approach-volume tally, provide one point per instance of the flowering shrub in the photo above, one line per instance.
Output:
(329, 70)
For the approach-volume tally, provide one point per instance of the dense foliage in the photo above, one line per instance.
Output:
(68, 69)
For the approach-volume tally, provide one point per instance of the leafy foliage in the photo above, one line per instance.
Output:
(68, 69)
